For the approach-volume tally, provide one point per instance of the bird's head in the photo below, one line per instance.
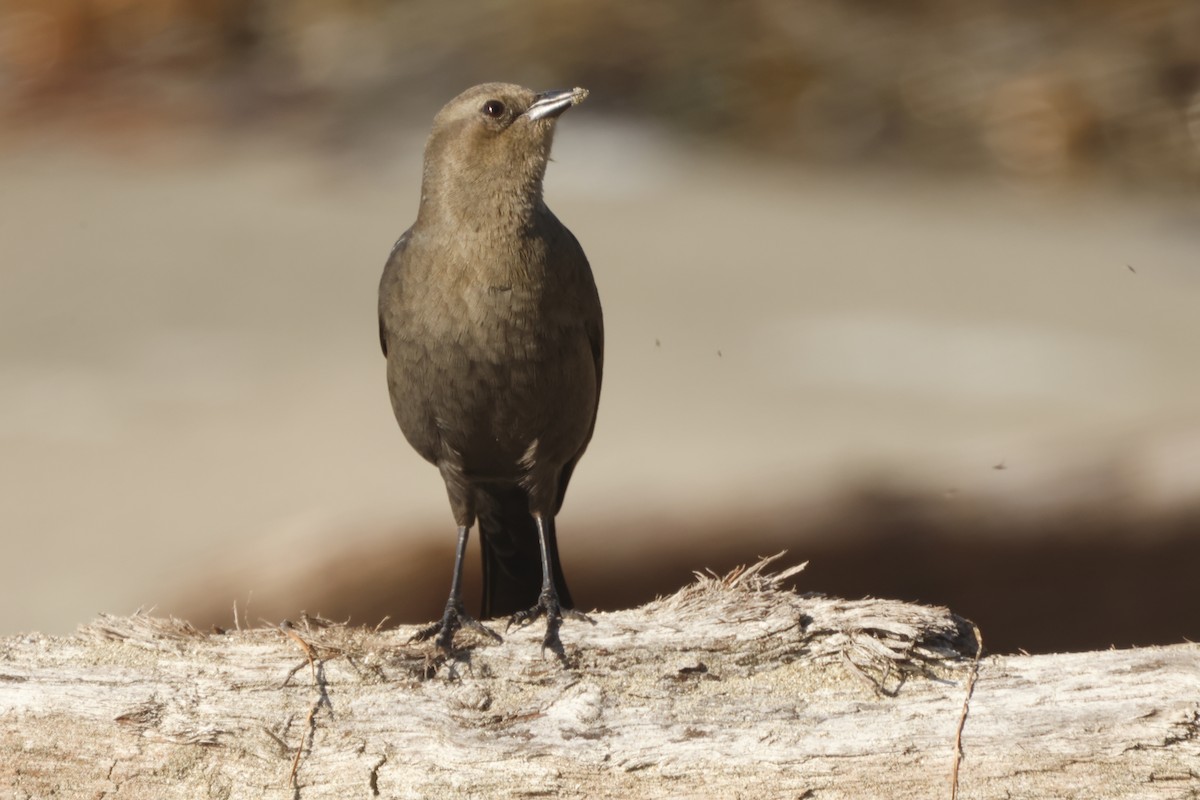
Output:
(491, 144)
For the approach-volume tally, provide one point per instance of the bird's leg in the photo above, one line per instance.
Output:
(548, 604)
(455, 616)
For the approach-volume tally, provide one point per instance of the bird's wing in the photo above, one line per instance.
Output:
(391, 273)
(595, 334)
(593, 316)
(593, 325)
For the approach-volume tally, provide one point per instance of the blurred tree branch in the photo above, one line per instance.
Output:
(1038, 91)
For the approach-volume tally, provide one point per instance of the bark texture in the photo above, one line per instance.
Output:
(733, 687)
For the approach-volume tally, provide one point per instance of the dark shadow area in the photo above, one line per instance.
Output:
(1077, 581)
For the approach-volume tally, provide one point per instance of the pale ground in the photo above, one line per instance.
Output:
(190, 378)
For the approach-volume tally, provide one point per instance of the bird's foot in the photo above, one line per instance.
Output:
(548, 607)
(452, 621)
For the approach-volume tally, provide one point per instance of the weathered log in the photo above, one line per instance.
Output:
(733, 687)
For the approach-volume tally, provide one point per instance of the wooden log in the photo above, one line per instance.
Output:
(733, 687)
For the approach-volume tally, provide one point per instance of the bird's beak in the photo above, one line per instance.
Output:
(553, 103)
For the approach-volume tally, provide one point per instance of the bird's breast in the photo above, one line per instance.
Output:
(491, 357)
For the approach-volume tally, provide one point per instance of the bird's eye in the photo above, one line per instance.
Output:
(494, 109)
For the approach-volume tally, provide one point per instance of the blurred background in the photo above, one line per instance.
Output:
(910, 289)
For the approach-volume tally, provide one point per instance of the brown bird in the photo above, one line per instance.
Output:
(491, 325)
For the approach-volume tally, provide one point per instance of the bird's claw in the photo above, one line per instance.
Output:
(523, 618)
(548, 607)
(451, 622)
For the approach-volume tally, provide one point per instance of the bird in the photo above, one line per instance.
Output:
(491, 325)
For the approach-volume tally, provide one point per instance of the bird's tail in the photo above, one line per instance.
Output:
(512, 558)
